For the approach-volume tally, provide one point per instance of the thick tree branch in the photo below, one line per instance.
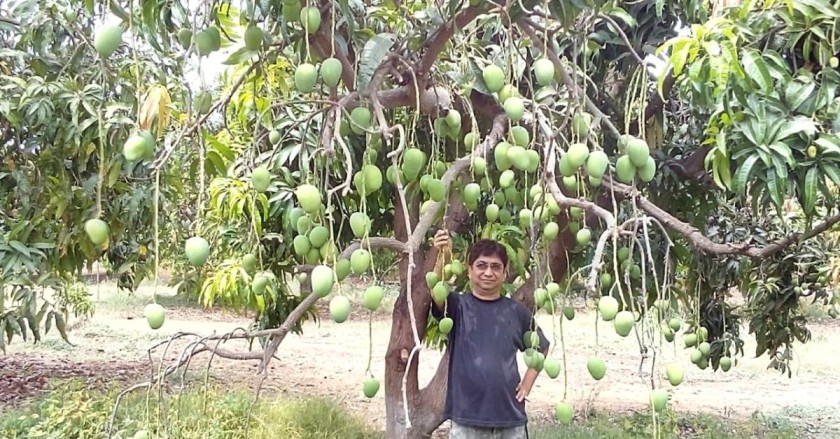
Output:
(321, 42)
(276, 335)
(202, 345)
(404, 96)
(445, 33)
(701, 242)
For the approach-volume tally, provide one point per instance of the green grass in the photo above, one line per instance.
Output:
(112, 299)
(71, 411)
(669, 425)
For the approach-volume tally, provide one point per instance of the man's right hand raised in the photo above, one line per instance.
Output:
(442, 241)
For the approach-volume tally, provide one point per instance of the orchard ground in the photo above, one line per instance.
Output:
(329, 360)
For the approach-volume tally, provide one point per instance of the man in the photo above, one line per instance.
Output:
(485, 397)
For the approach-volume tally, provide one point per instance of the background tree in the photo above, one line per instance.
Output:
(656, 154)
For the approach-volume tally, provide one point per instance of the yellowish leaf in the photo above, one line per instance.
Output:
(155, 107)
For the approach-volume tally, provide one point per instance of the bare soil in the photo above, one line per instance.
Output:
(331, 359)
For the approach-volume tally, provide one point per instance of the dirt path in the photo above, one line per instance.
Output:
(330, 359)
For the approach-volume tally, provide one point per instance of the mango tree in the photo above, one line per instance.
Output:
(647, 156)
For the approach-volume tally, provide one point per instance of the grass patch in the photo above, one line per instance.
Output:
(112, 299)
(669, 425)
(71, 411)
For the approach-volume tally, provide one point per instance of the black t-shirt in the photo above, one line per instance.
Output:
(483, 371)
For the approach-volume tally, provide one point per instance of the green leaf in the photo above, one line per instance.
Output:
(621, 14)
(830, 170)
(829, 144)
(798, 125)
(117, 10)
(22, 325)
(12, 326)
(61, 325)
(48, 323)
(783, 152)
(114, 173)
(822, 6)
(722, 173)
(17, 245)
(375, 50)
(679, 56)
(239, 57)
(809, 192)
(776, 186)
(739, 183)
(798, 91)
(756, 69)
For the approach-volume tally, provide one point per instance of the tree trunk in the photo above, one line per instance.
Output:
(426, 405)
(402, 336)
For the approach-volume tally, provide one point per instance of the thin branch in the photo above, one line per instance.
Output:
(279, 334)
(624, 37)
(10, 21)
(192, 128)
(275, 335)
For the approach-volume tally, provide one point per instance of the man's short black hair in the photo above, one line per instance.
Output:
(487, 247)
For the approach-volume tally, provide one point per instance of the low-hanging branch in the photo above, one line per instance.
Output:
(275, 336)
(445, 32)
(701, 242)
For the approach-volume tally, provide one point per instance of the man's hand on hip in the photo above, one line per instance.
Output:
(522, 391)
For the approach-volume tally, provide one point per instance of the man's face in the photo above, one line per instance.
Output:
(487, 274)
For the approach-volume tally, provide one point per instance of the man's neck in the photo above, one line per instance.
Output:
(485, 295)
